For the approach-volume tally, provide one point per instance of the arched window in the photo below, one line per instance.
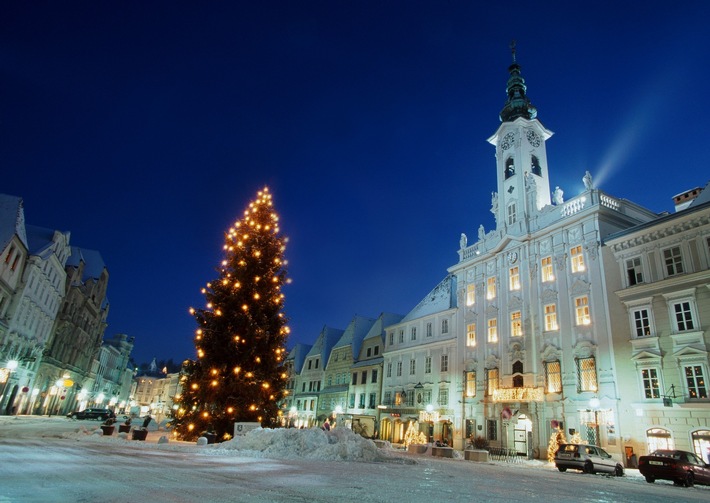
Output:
(659, 438)
(701, 444)
(509, 167)
(535, 166)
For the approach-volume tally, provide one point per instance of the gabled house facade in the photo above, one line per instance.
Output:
(420, 369)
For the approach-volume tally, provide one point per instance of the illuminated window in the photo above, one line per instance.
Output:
(471, 335)
(514, 278)
(492, 330)
(651, 384)
(547, 272)
(550, 317)
(634, 273)
(516, 324)
(470, 384)
(581, 307)
(491, 288)
(553, 377)
(586, 374)
(470, 294)
(695, 381)
(491, 381)
(642, 322)
(673, 261)
(577, 258)
(444, 363)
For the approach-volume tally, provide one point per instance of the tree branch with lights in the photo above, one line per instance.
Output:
(238, 375)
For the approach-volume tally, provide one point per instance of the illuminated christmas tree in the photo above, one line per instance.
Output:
(238, 375)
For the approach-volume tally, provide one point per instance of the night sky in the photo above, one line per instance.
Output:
(145, 128)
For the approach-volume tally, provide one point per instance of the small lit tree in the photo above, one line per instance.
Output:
(556, 439)
(241, 336)
(414, 436)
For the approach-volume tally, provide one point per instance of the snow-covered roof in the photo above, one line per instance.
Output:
(12, 220)
(354, 334)
(383, 320)
(324, 344)
(441, 298)
(298, 355)
(703, 197)
(93, 262)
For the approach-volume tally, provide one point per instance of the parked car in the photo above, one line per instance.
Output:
(588, 458)
(100, 414)
(682, 467)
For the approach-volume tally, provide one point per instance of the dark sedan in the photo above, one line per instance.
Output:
(682, 467)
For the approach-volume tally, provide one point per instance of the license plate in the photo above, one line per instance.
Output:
(564, 455)
(660, 463)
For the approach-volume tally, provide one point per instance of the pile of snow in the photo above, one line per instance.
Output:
(313, 443)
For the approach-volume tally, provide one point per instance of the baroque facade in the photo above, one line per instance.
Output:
(581, 314)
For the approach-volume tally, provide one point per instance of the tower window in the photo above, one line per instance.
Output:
(512, 217)
(509, 168)
(535, 166)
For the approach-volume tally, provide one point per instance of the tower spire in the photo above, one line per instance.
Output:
(517, 104)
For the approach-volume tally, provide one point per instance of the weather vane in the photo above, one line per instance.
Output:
(512, 49)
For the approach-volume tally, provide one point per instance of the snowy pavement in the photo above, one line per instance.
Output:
(62, 460)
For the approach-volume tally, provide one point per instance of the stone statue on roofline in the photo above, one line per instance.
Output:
(587, 180)
(558, 196)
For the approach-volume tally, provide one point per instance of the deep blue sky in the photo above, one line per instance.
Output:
(145, 128)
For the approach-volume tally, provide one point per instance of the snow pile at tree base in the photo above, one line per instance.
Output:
(313, 443)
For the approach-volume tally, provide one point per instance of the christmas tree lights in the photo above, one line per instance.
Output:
(238, 375)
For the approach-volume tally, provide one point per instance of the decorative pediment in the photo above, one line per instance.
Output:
(492, 362)
(470, 315)
(646, 358)
(515, 303)
(584, 349)
(549, 296)
(575, 234)
(546, 246)
(516, 352)
(550, 353)
(691, 355)
(491, 311)
(579, 287)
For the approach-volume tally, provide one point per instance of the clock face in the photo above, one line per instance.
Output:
(513, 257)
(533, 138)
(507, 141)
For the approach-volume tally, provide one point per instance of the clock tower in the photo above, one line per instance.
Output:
(521, 158)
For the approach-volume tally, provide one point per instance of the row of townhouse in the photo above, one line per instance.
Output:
(585, 315)
(53, 311)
